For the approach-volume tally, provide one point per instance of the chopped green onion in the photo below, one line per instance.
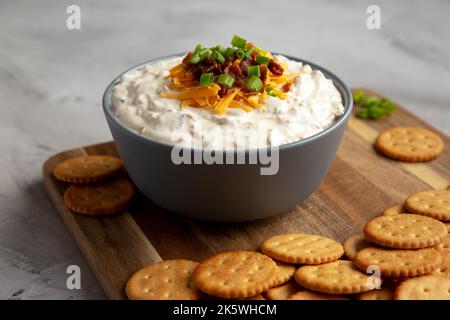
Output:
(358, 97)
(240, 54)
(254, 84)
(198, 48)
(195, 58)
(272, 92)
(375, 112)
(262, 59)
(228, 52)
(206, 79)
(362, 113)
(388, 106)
(253, 71)
(370, 101)
(372, 107)
(204, 53)
(238, 42)
(218, 56)
(248, 52)
(226, 80)
(220, 49)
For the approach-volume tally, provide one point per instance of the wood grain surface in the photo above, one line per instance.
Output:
(359, 185)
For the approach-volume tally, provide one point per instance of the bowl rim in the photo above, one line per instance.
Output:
(343, 89)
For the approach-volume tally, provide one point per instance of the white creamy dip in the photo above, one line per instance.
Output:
(313, 103)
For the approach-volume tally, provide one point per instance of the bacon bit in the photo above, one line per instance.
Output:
(263, 70)
(235, 71)
(244, 65)
(275, 67)
(186, 58)
(224, 91)
(286, 87)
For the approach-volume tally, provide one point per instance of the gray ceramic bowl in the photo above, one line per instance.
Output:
(229, 193)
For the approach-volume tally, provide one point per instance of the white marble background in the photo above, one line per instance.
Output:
(52, 79)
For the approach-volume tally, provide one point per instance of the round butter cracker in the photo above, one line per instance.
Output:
(354, 244)
(284, 273)
(87, 169)
(236, 274)
(300, 248)
(101, 198)
(409, 144)
(166, 280)
(405, 231)
(399, 263)
(427, 287)
(398, 208)
(431, 203)
(337, 277)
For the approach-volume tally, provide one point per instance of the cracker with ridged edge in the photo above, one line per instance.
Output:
(284, 273)
(428, 287)
(311, 295)
(405, 231)
(444, 267)
(235, 274)
(101, 198)
(399, 263)
(282, 292)
(352, 245)
(337, 277)
(398, 208)
(302, 248)
(444, 248)
(87, 169)
(165, 280)
(431, 203)
(409, 144)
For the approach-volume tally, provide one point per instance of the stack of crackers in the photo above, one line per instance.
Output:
(409, 245)
(99, 185)
(402, 254)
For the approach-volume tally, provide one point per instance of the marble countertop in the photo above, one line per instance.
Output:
(52, 80)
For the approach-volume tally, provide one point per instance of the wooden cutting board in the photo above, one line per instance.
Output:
(359, 185)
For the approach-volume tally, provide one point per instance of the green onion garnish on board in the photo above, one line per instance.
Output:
(370, 101)
(226, 80)
(238, 42)
(218, 56)
(375, 112)
(372, 107)
(206, 79)
(362, 113)
(262, 59)
(358, 97)
(254, 84)
(253, 71)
